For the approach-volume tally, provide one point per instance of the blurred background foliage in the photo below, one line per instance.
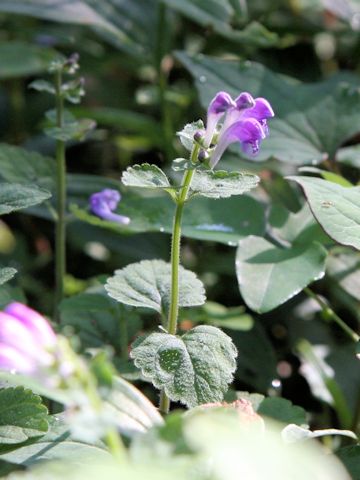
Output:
(150, 67)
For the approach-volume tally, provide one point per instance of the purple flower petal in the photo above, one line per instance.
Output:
(248, 132)
(244, 100)
(15, 334)
(217, 107)
(12, 359)
(33, 321)
(103, 203)
(262, 110)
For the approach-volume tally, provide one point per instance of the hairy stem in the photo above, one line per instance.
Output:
(175, 261)
(329, 312)
(60, 235)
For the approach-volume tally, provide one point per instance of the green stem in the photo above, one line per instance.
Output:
(175, 261)
(60, 235)
(115, 445)
(160, 51)
(329, 312)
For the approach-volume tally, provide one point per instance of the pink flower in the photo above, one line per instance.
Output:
(26, 340)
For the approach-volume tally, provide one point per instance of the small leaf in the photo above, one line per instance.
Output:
(6, 274)
(15, 196)
(145, 176)
(222, 184)
(42, 86)
(22, 416)
(193, 369)
(336, 208)
(294, 433)
(71, 131)
(147, 284)
(186, 135)
(282, 410)
(268, 276)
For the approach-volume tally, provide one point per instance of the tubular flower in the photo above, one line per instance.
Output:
(217, 107)
(245, 121)
(104, 203)
(27, 341)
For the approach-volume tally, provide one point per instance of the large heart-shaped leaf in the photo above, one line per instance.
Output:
(193, 369)
(18, 59)
(268, 276)
(299, 133)
(128, 25)
(147, 284)
(22, 416)
(15, 196)
(226, 220)
(336, 208)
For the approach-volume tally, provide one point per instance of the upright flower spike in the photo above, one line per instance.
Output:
(27, 342)
(217, 108)
(104, 203)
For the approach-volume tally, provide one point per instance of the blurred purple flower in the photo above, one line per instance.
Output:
(26, 340)
(245, 121)
(104, 203)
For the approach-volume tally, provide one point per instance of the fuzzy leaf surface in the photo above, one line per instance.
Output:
(6, 274)
(147, 284)
(193, 369)
(16, 196)
(22, 416)
(222, 184)
(145, 176)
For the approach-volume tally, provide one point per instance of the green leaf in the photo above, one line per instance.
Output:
(71, 131)
(145, 176)
(18, 59)
(42, 86)
(6, 274)
(57, 444)
(186, 135)
(350, 456)
(22, 416)
(128, 26)
(268, 276)
(147, 284)
(326, 175)
(131, 410)
(298, 133)
(282, 410)
(222, 184)
(22, 166)
(256, 361)
(193, 369)
(15, 196)
(294, 433)
(336, 208)
(203, 218)
(344, 268)
(219, 16)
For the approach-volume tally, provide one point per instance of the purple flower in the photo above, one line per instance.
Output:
(217, 108)
(26, 340)
(104, 203)
(245, 121)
